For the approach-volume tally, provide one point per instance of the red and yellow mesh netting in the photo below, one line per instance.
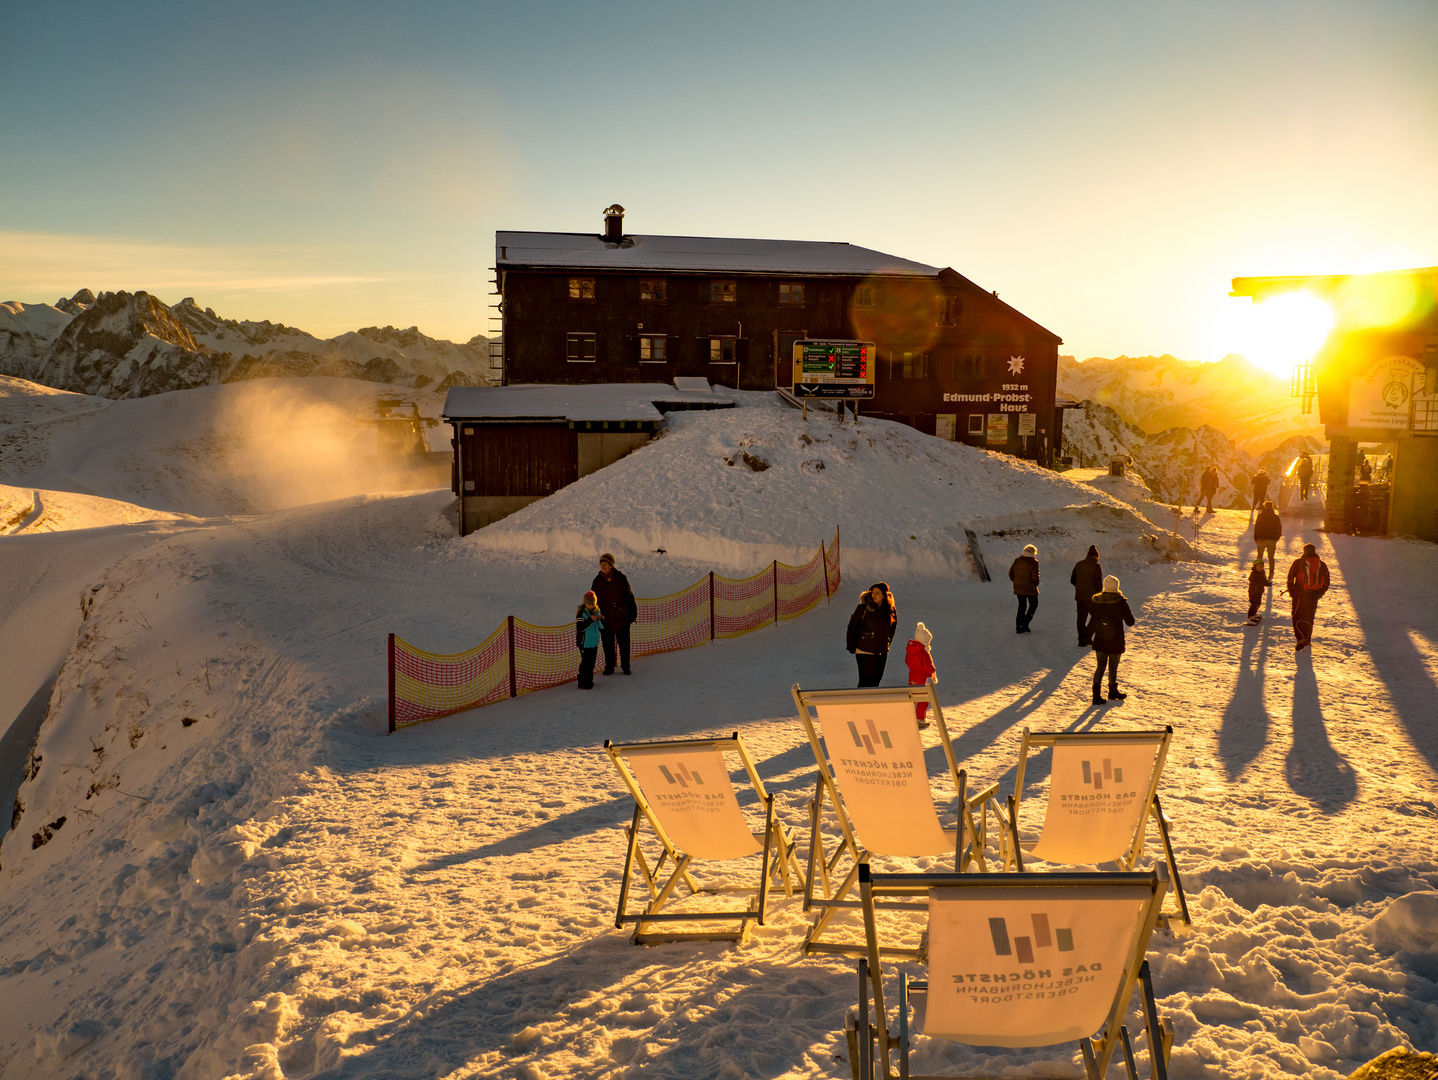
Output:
(519, 656)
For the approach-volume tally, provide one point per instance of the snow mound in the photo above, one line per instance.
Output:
(734, 488)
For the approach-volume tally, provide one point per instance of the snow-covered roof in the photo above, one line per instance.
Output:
(585, 401)
(589, 251)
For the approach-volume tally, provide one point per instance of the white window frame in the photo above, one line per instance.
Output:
(646, 343)
(976, 423)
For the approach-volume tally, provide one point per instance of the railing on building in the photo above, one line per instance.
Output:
(1304, 385)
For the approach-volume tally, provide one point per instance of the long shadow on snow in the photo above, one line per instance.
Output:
(1387, 601)
(767, 1022)
(1244, 731)
(1314, 768)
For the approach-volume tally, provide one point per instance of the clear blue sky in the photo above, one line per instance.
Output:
(1105, 167)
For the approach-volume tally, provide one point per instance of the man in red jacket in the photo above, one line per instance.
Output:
(1307, 581)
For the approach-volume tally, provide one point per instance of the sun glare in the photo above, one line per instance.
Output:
(1284, 331)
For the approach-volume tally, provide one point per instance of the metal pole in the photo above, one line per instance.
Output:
(513, 685)
(824, 562)
(391, 684)
(711, 605)
(776, 592)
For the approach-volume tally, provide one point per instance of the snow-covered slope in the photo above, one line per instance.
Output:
(1250, 406)
(222, 867)
(131, 345)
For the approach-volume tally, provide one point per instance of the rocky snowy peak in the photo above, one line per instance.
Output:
(1249, 405)
(1170, 462)
(188, 345)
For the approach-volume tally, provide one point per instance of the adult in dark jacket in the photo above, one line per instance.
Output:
(1024, 573)
(1266, 532)
(1307, 582)
(870, 632)
(1207, 488)
(1107, 616)
(1087, 579)
(1259, 484)
(616, 600)
(1305, 474)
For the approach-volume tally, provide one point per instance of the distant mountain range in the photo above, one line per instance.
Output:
(1247, 404)
(128, 345)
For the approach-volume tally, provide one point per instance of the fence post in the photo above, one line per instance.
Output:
(391, 684)
(776, 592)
(824, 564)
(513, 689)
(711, 605)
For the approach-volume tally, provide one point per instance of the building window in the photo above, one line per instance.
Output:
(652, 349)
(865, 296)
(722, 292)
(654, 290)
(974, 366)
(791, 294)
(976, 423)
(721, 350)
(948, 310)
(909, 365)
(581, 288)
(579, 348)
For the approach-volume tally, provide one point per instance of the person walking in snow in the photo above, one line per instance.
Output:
(1207, 488)
(1259, 484)
(1109, 614)
(920, 658)
(1266, 533)
(1305, 474)
(1024, 573)
(1087, 579)
(588, 625)
(616, 600)
(1257, 583)
(871, 631)
(1307, 582)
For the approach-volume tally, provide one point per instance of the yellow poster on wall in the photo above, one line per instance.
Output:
(997, 430)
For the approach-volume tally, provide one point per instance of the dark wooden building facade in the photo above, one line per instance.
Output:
(952, 359)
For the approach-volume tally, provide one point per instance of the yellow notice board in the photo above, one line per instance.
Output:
(997, 430)
(1379, 395)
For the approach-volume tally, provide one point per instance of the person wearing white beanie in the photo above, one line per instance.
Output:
(1108, 614)
(919, 656)
(1024, 573)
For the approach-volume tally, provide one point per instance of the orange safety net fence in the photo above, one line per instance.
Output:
(519, 657)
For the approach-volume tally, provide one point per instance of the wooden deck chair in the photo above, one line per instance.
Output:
(873, 779)
(1014, 960)
(1103, 792)
(681, 788)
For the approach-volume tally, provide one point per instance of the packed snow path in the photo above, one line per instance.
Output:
(276, 888)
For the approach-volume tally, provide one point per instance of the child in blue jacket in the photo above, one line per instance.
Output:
(587, 625)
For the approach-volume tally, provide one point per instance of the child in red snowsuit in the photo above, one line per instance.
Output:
(921, 666)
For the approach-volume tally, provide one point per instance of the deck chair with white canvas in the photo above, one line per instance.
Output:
(682, 790)
(1103, 793)
(1013, 961)
(873, 779)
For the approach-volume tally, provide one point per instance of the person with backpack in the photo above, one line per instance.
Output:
(1024, 573)
(1207, 488)
(1266, 533)
(1307, 582)
(588, 625)
(1257, 584)
(1087, 579)
(871, 631)
(1107, 617)
(1305, 474)
(920, 658)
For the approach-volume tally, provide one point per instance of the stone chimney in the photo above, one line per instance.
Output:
(614, 224)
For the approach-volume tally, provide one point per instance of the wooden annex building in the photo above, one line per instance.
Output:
(1375, 380)
(952, 359)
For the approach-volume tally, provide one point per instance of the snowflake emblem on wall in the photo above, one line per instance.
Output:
(1016, 365)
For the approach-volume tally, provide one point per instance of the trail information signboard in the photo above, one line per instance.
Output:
(833, 368)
